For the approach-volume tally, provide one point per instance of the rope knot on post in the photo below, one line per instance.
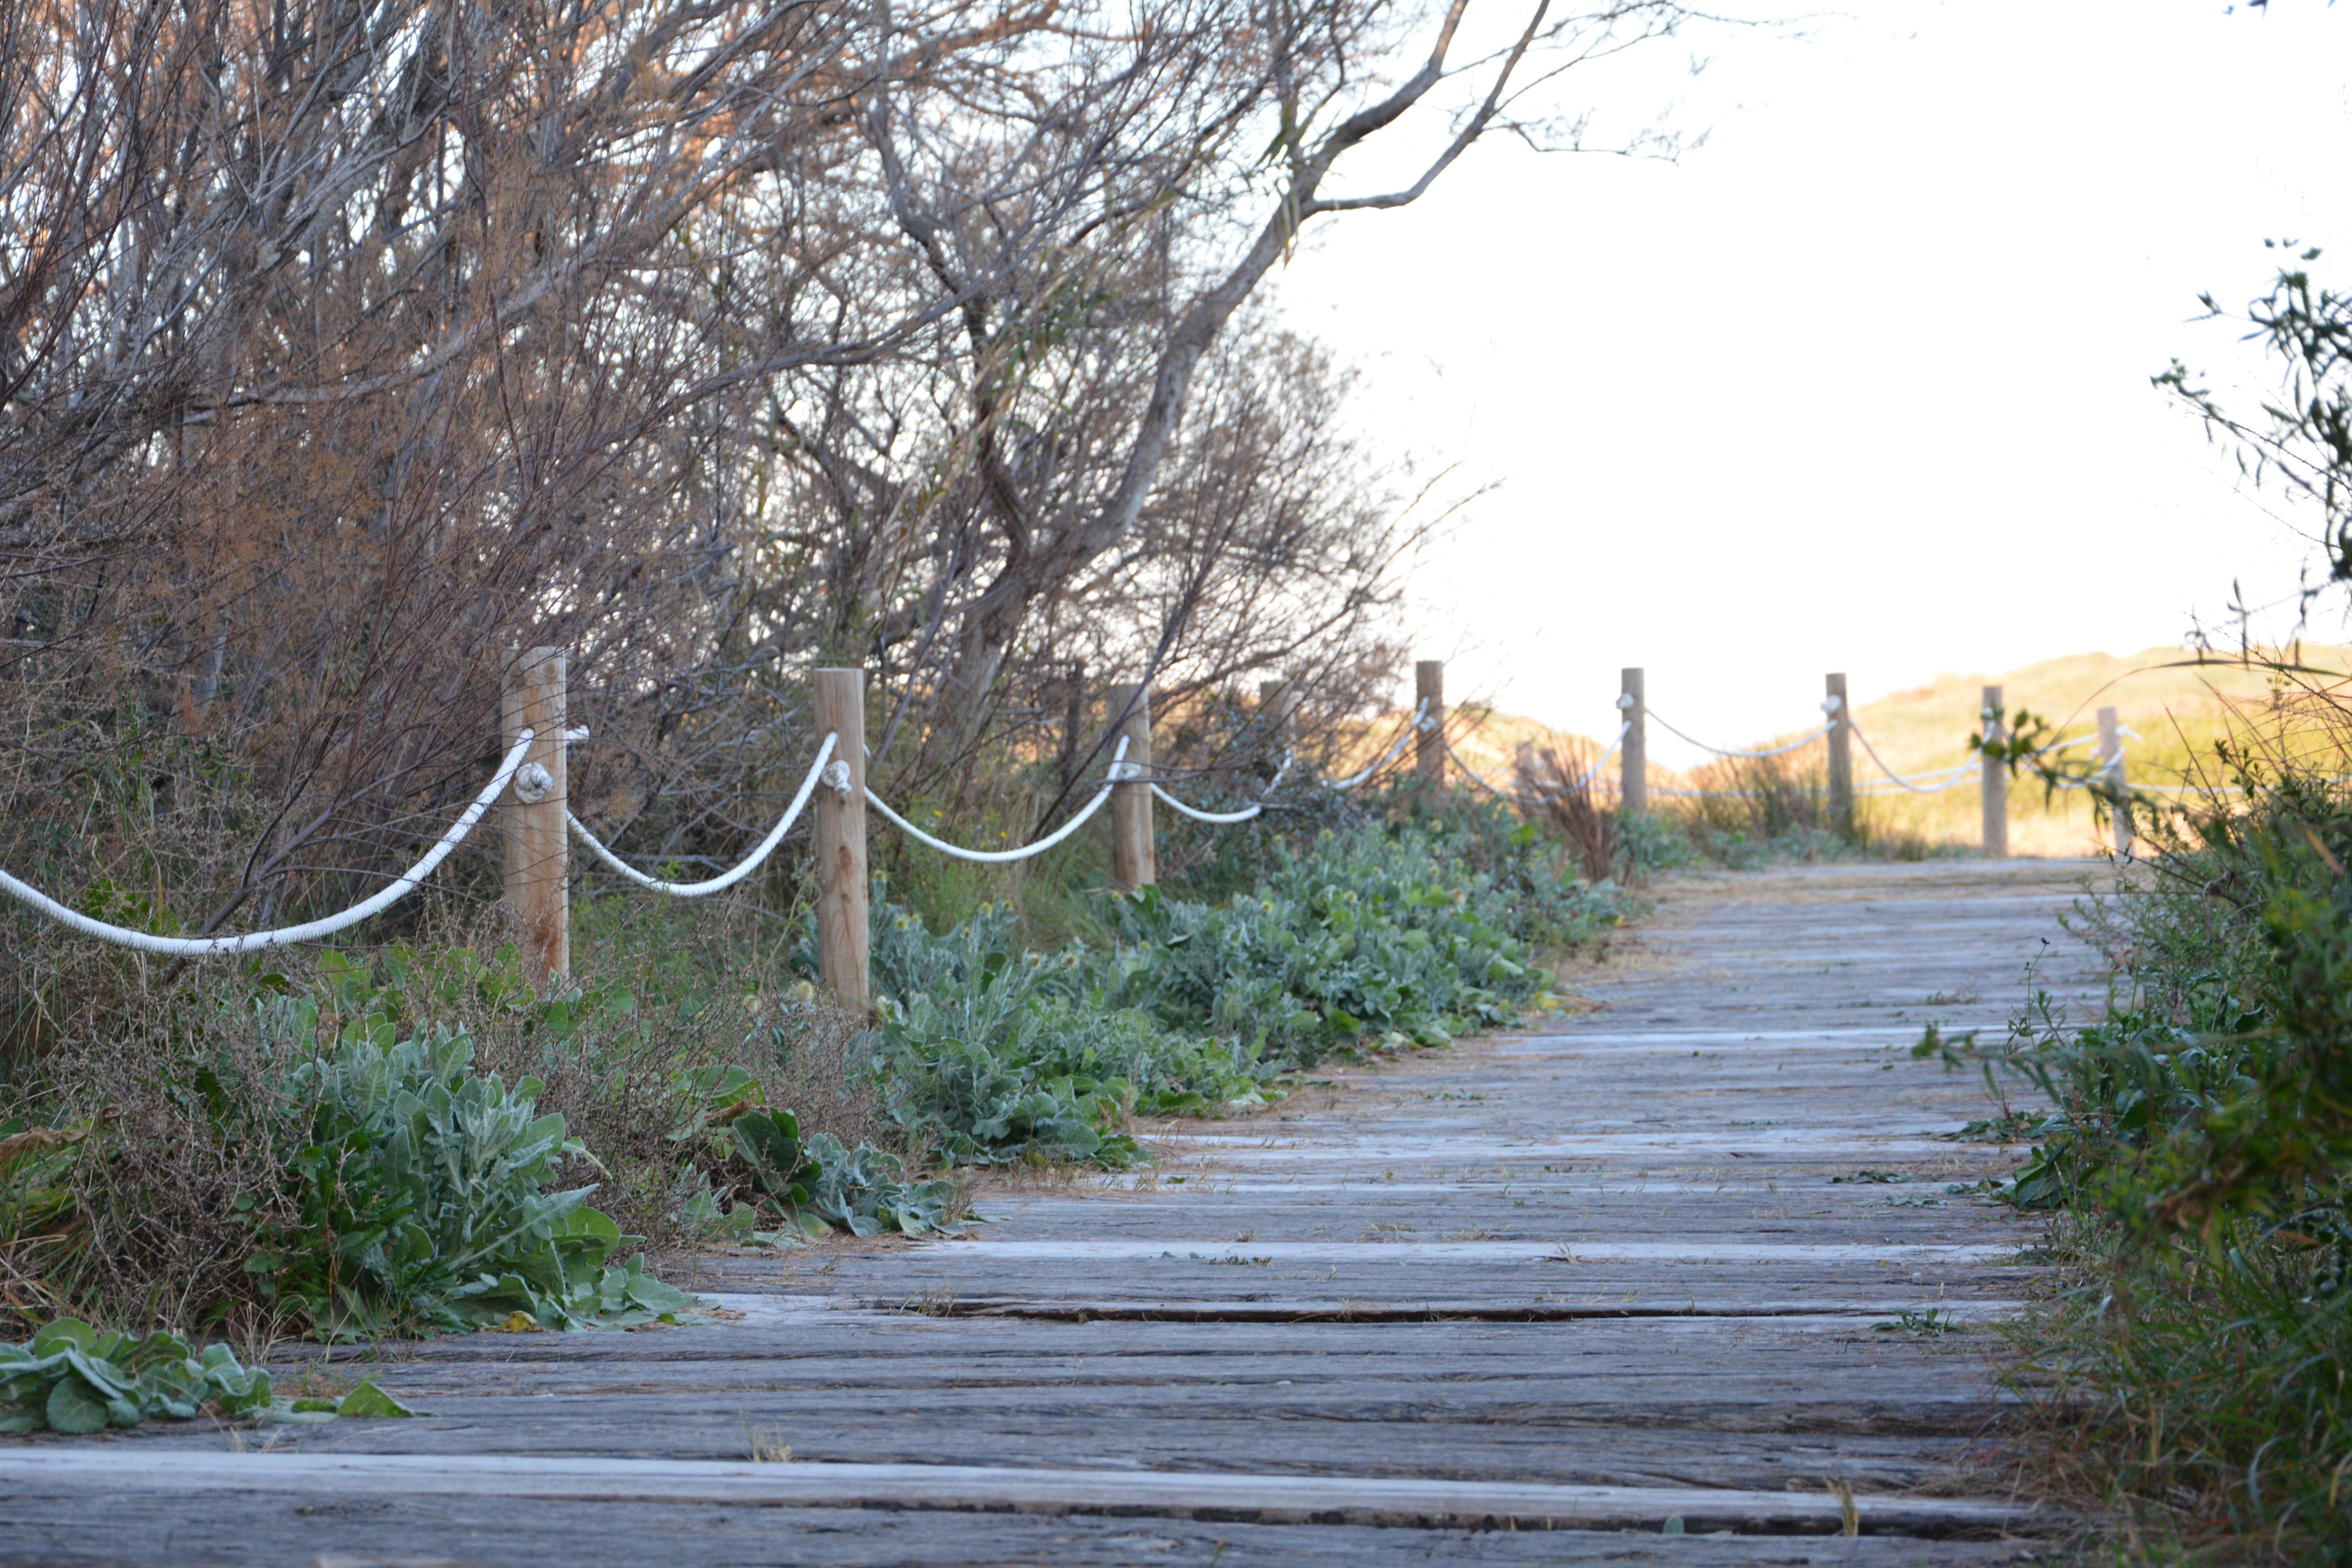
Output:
(534, 783)
(836, 779)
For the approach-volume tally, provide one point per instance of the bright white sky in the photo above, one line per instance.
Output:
(1862, 383)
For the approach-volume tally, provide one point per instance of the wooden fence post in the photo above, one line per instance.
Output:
(1633, 756)
(538, 864)
(1841, 739)
(1134, 862)
(842, 934)
(1429, 741)
(2111, 757)
(1995, 782)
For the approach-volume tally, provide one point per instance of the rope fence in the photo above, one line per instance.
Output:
(530, 781)
(735, 874)
(1117, 771)
(311, 930)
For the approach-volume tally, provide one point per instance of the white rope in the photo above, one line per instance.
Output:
(1198, 815)
(998, 857)
(1478, 779)
(1420, 715)
(1246, 813)
(725, 879)
(1719, 751)
(1960, 775)
(205, 946)
(1961, 772)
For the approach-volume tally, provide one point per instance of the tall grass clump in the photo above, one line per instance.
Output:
(1743, 812)
(1566, 786)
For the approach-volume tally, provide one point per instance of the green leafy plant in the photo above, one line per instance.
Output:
(75, 1379)
(424, 1195)
(1369, 937)
(2196, 1156)
(861, 1192)
(769, 1141)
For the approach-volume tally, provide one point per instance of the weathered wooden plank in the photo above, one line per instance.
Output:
(1418, 1504)
(73, 1527)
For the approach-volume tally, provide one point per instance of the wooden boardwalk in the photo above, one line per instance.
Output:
(1523, 1300)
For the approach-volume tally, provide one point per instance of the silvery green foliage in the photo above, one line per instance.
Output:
(860, 1191)
(997, 1053)
(1369, 936)
(75, 1379)
(432, 1196)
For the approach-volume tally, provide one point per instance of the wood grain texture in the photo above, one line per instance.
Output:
(1634, 753)
(1841, 756)
(1645, 1249)
(1429, 741)
(537, 842)
(843, 933)
(1134, 855)
(1996, 784)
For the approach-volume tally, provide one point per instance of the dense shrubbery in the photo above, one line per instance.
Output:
(352, 1147)
(2198, 1140)
(416, 1139)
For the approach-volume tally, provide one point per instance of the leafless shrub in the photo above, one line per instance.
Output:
(1559, 783)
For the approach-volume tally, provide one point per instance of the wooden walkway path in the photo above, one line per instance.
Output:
(1524, 1300)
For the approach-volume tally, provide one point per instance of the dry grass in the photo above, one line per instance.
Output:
(2180, 714)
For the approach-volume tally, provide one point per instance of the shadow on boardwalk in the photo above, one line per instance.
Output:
(1502, 1302)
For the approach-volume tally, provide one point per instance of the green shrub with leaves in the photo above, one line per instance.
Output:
(1361, 933)
(323, 1149)
(2196, 1146)
(860, 1191)
(2218, 1089)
